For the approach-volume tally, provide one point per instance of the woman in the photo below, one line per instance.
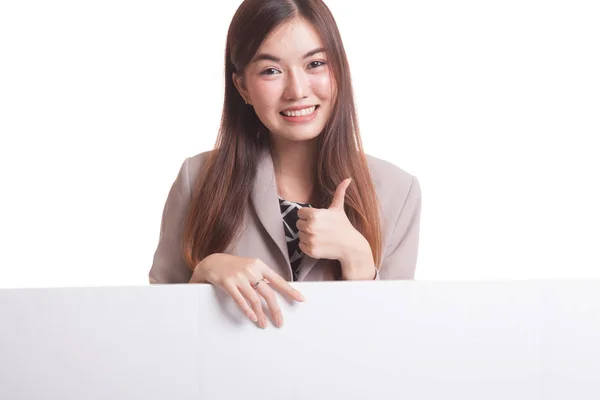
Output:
(287, 194)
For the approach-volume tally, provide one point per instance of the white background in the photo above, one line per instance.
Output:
(494, 106)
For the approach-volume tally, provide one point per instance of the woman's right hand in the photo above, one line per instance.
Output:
(246, 280)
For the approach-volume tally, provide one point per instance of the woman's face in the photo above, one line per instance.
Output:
(289, 82)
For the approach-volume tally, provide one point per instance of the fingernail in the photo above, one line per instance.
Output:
(301, 297)
(253, 317)
(279, 321)
(263, 323)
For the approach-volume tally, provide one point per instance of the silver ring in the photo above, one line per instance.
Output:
(259, 282)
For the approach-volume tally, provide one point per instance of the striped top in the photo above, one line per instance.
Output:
(289, 213)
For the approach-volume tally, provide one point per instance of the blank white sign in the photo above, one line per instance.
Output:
(349, 340)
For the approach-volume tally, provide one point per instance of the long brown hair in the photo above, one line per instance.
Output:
(223, 187)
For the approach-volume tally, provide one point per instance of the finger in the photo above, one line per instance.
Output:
(302, 247)
(306, 213)
(340, 194)
(254, 299)
(301, 225)
(303, 236)
(281, 285)
(234, 292)
(307, 249)
(269, 295)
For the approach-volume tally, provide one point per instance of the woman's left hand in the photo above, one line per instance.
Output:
(328, 233)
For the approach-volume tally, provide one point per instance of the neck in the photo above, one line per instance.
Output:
(295, 167)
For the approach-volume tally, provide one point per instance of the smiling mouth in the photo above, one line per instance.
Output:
(299, 113)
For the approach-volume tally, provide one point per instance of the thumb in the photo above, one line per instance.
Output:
(340, 194)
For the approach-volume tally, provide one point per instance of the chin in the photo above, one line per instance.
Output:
(298, 136)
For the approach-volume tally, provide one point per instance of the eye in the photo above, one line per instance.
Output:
(315, 64)
(269, 71)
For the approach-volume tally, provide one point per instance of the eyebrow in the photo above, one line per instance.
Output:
(269, 57)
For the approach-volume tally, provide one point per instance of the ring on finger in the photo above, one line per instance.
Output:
(259, 282)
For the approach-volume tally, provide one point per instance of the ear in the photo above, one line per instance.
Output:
(238, 81)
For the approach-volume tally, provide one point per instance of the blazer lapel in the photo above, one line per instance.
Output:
(266, 203)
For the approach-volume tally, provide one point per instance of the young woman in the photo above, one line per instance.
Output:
(287, 193)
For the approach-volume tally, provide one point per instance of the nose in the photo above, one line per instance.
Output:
(297, 86)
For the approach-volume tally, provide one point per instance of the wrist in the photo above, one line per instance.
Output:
(357, 261)
(199, 273)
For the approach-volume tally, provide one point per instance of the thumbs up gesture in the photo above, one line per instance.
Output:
(328, 233)
(340, 195)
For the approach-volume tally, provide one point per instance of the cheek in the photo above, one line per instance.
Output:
(265, 94)
(322, 86)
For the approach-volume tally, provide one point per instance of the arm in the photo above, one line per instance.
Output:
(400, 260)
(168, 265)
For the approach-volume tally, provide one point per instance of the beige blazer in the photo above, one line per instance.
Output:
(263, 234)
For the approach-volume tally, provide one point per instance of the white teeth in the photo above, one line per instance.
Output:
(300, 113)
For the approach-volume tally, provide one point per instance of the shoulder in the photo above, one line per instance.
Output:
(197, 161)
(391, 182)
(398, 193)
(193, 165)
